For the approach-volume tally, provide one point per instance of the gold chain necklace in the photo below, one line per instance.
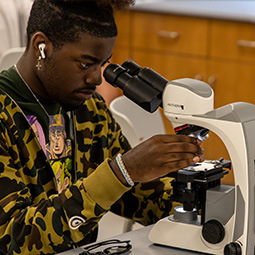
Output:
(31, 91)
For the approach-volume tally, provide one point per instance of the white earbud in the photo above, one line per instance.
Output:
(41, 49)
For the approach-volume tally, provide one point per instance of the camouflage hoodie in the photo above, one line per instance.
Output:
(34, 218)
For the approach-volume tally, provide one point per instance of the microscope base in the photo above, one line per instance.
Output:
(186, 236)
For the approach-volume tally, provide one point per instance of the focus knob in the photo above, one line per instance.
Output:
(232, 249)
(213, 231)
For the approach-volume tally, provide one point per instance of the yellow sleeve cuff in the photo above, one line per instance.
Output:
(103, 186)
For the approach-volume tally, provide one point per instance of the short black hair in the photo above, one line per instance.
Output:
(65, 21)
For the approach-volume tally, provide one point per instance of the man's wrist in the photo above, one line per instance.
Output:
(123, 170)
(116, 170)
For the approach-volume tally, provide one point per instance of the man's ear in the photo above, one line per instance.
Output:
(41, 45)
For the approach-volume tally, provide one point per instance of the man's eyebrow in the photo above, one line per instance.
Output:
(94, 59)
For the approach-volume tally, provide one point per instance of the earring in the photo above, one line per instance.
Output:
(39, 65)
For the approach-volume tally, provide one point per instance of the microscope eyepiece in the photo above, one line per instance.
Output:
(153, 78)
(112, 72)
(142, 86)
(132, 67)
(146, 74)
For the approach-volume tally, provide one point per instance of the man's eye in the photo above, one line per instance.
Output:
(85, 65)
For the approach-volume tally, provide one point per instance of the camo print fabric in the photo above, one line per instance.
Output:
(34, 218)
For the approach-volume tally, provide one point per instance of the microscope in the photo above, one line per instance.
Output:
(214, 218)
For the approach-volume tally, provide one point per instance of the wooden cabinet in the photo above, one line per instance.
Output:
(169, 46)
(234, 81)
(165, 33)
(231, 40)
(219, 52)
(231, 61)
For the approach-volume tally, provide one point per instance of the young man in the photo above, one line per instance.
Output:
(63, 160)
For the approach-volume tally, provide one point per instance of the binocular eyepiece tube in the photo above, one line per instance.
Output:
(141, 85)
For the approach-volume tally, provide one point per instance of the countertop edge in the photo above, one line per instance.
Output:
(243, 11)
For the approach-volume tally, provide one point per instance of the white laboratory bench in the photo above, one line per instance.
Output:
(141, 245)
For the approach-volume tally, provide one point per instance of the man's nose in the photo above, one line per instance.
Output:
(95, 76)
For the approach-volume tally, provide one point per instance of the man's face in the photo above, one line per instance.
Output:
(70, 75)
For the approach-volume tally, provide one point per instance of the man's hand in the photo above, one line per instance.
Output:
(158, 156)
